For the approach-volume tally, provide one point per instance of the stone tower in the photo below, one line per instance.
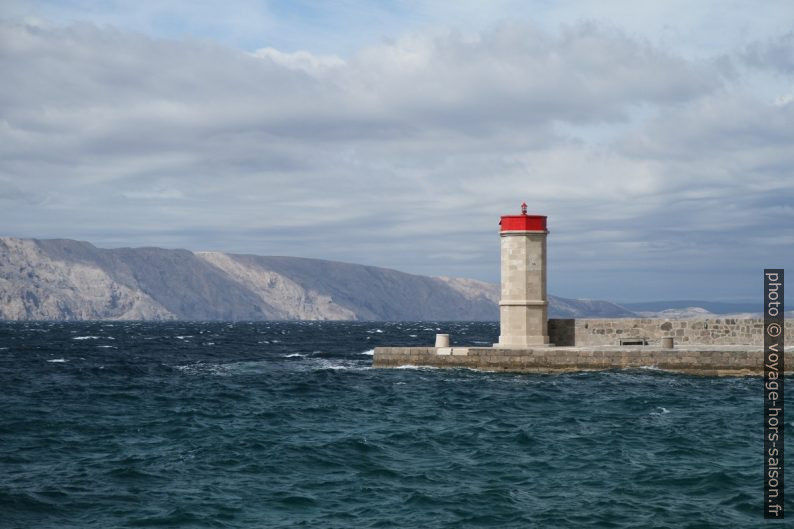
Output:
(523, 308)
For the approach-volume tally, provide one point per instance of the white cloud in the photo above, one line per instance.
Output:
(301, 60)
(402, 154)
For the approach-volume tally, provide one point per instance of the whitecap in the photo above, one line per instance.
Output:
(185, 337)
(106, 347)
(201, 368)
(412, 335)
(225, 369)
(337, 365)
(85, 338)
(294, 355)
(57, 361)
(431, 368)
(369, 352)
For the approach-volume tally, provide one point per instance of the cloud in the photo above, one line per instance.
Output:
(401, 154)
(775, 53)
(702, 29)
(301, 60)
(518, 76)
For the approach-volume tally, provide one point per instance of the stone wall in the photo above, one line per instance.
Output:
(715, 331)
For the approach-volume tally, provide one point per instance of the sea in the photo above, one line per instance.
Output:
(287, 425)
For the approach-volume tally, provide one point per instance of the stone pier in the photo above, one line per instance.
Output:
(712, 360)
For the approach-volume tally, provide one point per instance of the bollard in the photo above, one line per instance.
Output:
(667, 342)
(442, 340)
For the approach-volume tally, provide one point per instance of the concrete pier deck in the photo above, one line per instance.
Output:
(709, 360)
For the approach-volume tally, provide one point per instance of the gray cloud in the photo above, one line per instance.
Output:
(776, 54)
(403, 154)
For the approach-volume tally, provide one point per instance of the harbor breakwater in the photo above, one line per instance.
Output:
(721, 347)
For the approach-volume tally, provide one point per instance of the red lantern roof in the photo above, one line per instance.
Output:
(523, 222)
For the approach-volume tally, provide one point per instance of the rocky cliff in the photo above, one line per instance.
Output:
(71, 280)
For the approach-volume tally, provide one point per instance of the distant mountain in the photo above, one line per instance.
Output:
(695, 312)
(713, 307)
(63, 279)
(558, 307)
(699, 312)
(586, 308)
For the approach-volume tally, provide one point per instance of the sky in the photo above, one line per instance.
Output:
(658, 137)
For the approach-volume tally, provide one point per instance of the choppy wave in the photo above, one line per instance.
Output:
(287, 425)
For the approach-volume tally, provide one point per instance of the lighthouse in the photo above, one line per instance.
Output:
(523, 308)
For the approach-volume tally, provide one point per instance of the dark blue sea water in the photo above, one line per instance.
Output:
(242, 425)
